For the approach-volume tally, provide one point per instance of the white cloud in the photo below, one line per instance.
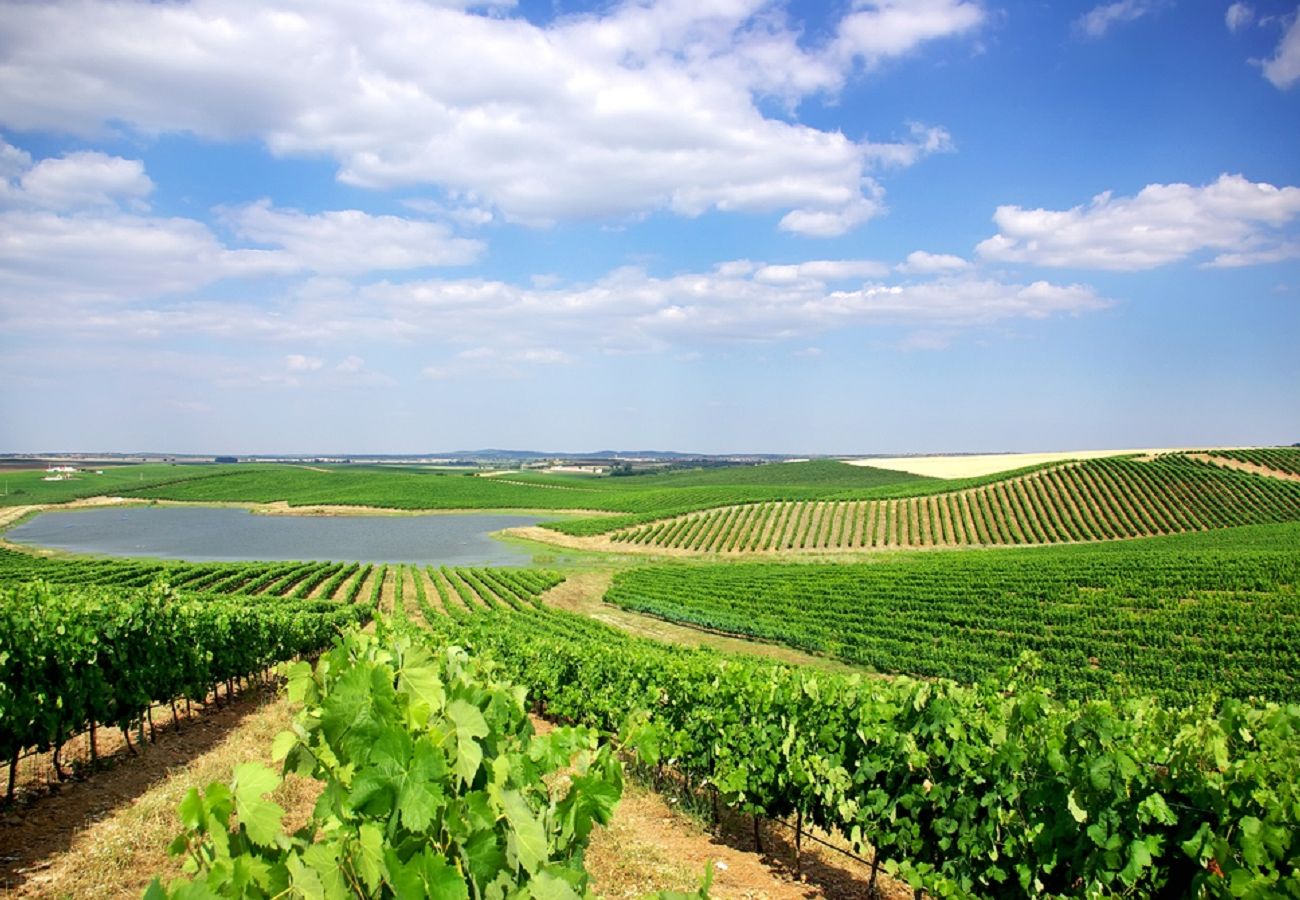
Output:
(817, 270)
(351, 241)
(831, 223)
(81, 180)
(646, 106)
(877, 31)
(1099, 20)
(921, 262)
(66, 235)
(508, 327)
(1283, 70)
(351, 365)
(1161, 224)
(46, 257)
(631, 311)
(926, 139)
(296, 362)
(1238, 16)
(13, 161)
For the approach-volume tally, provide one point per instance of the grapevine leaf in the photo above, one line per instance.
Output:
(484, 856)
(283, 743)
(470, 724)
(528, 838)
(370, 856)
(1079, 813)
(260, 817)
(546, 886)
(425, 685)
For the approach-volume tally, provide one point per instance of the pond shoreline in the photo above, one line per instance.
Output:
(201, 532)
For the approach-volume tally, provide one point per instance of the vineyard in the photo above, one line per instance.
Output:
(1279, 459)
(1100, 499)
(86, 643)
(1084, 720)
(998, 789)
(1181, 625)
(434, 785)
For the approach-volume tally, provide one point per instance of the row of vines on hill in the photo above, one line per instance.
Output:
(71, 657)
(1178, 625)
(998, 789)
(1095, 500)
(100, 642)
(1279, 459)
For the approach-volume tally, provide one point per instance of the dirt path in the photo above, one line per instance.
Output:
(583, 593)
(1242, 466)
(107, 835)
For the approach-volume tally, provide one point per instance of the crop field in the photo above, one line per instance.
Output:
(1093, 717)
(400, 487)
(1181, 625)
(23, 487)
(1087, 501)
(87, 642)
(1279, 459)
(953, 785)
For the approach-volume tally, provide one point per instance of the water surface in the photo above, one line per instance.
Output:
(201, 534)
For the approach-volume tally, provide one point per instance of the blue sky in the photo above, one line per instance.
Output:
(713, 225)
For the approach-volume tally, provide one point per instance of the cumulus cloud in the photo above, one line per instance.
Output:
(1283, 70)
(921, 262)
(878, 31)
(645, 106)
(1100, 19)
(72, 181)
(1239, 220)
(76, 228)
(47, 257)
(815, 271)
(351, 241)
(1238, 16)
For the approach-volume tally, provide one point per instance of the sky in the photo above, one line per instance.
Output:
(904, 226)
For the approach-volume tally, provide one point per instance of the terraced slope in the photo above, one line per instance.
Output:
(1100, 499)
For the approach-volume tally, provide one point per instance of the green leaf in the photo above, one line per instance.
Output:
(1155, 809)
(192, 811)
(261, 818)
(421, 795)
(425, 685)
(470, 724)
(528, 838)
(484, 856)
(1079, 813)
(369, 859)
(283, 743)
(545, 886)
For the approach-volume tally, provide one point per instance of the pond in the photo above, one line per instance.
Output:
(201, 534)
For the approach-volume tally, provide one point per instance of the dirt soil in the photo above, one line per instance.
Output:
(106, 835)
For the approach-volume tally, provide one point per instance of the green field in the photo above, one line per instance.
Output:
(23, 487)
(1180, 622)
(638, 498)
